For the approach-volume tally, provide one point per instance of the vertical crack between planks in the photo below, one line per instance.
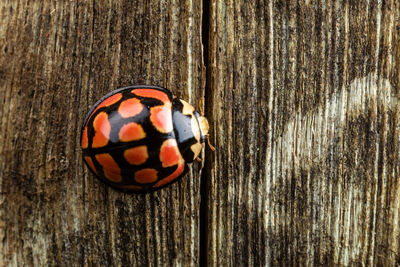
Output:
(205, 174)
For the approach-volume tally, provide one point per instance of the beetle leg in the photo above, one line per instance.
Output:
(211, 147)
(201, 107)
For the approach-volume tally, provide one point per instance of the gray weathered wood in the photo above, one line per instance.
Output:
(56, 59)
(303, 100)
(303, 103)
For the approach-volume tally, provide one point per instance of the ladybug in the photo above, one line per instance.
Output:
(141, 138)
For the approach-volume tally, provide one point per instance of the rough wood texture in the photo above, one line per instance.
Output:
(303, 103)
(303, 98)
(56, 59)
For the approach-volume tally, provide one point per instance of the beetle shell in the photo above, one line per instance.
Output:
(140, 138)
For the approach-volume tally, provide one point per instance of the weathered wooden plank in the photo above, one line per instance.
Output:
(56, 59)
(303, 101)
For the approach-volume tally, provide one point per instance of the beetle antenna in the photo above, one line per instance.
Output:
(202, 114)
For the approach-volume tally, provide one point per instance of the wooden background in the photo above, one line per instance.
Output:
(303, 103)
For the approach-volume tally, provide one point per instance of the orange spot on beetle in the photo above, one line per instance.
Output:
(145, 176)
(102, 129)
(130, 107)
(179, 170)
(89, 161)
(84, 141)
(107, 102)
(169, 153)
(131, 132)
(136, 155)
(151, 93)
(110, 167)
(161, 118)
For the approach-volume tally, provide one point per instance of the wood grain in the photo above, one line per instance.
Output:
(56, 59)
(303, 101)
